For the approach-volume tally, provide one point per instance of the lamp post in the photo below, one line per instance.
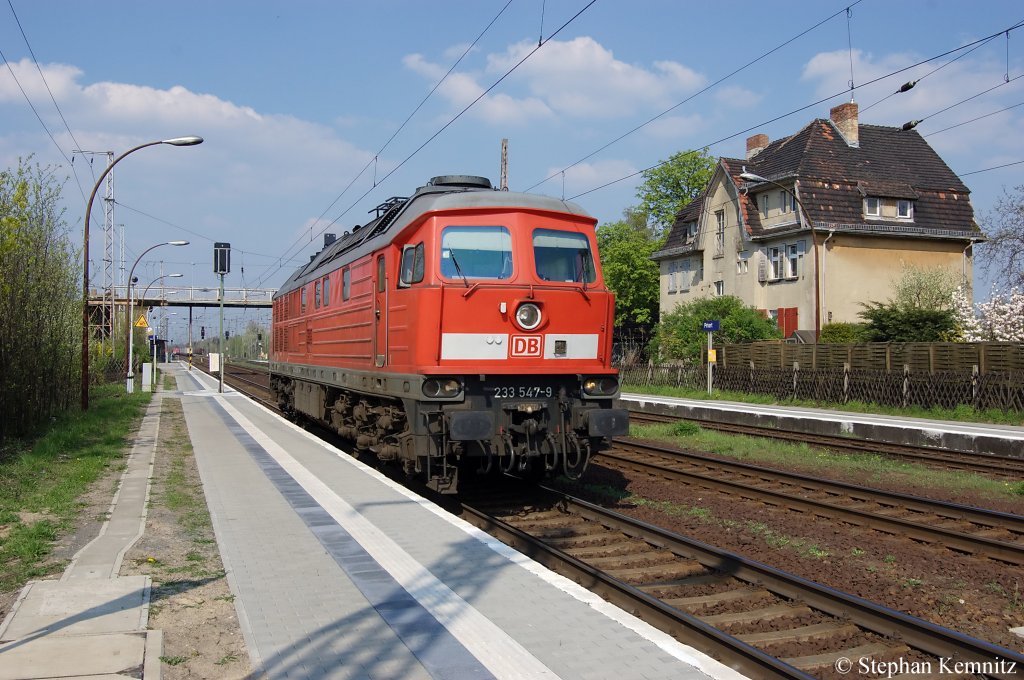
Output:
(177, 141)
(751, 177)
(130, 380)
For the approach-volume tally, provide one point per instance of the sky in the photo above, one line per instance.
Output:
(315, 111)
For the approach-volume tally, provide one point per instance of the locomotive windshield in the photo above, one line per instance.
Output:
(476, 253)
(563, 256)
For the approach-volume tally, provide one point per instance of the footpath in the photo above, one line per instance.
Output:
(91, 623)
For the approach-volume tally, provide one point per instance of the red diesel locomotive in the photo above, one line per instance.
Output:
(462, 328)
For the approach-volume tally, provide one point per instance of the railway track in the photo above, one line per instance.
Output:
(763, 622)
(991, 465)
(987, 533)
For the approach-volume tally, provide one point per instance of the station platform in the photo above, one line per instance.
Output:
(979, 438)
(339, 572)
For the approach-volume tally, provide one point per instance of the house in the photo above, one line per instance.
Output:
(809, 227)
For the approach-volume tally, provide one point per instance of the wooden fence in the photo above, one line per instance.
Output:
(980, 375)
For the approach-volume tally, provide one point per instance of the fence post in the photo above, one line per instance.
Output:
(679, 375)
(796, 372)
(650, 371)
(906, 384)
(974, 386)
(846, 381)
(750, 385)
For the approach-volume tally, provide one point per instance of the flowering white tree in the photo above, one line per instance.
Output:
(999, 319)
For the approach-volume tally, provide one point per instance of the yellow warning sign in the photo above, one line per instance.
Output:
(141, 322)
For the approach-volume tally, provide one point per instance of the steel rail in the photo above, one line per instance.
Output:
(916, 633)
(1012, 553)
(1002, 466)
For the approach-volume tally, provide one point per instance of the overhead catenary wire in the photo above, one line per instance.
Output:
(974, 120)
(460, 113)
(373, 161)
(807, 106)
(651, 120)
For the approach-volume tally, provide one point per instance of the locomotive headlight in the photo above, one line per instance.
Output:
(528, 316)
(602, 386)
(441, 388)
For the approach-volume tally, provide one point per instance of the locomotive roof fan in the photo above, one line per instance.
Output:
(464, 181)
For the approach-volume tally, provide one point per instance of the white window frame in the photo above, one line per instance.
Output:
(909, 212)
(792, 260)
(776, 263)
(764, 204)
(783, 202)
(719, 288)
(742, 262)
(868, 200)
(720, 232)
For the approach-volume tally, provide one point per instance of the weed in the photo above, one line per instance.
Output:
(226, 659)
(174, 660)
(889, 559)
(912, 582)
(857, 552)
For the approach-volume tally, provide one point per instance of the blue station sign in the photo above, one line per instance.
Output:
(710, 326)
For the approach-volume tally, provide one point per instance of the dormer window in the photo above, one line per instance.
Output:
(872, 207)
(905, 210)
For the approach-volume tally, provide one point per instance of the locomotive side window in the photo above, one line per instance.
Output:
(476, 253)
(412, 265)
(381, 272)
(327, 290)
(346, 284)
(563, 256)
(302, 304)
(316, 295)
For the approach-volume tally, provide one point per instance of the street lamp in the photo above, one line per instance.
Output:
(130, 381)
(177, 141)
(751, 177)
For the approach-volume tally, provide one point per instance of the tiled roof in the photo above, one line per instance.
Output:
(889, 163)
(834, 178)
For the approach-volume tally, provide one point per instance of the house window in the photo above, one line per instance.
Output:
(775, 256)
(720, 232)
(904, 210)
(684, 276)
(672, 266)
(784, 202)
(872, 207)
(792, 259)
(742, 262)
(700, 271)
(764, 204)
(792, 201)
(719, 288)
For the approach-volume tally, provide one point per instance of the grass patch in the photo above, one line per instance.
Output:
(961, 413)
(41, 480)
(866, 467)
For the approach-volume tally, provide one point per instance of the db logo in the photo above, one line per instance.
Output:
(525, 346)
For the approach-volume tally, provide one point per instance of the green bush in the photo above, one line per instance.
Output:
(680, 337)
(842, 333)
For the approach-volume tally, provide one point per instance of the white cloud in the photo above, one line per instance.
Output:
(737, 97)
(577, 78)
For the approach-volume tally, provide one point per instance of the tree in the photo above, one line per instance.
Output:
(40, 301)
(626, 248)
(896, 323)
(672, 184)
(999, 319)
(1004, 227)
(926, 288)
(680, 335)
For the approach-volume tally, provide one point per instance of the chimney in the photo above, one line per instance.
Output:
(844, 117)
(756, 145)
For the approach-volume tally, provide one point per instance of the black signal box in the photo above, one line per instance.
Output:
(221, 258)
